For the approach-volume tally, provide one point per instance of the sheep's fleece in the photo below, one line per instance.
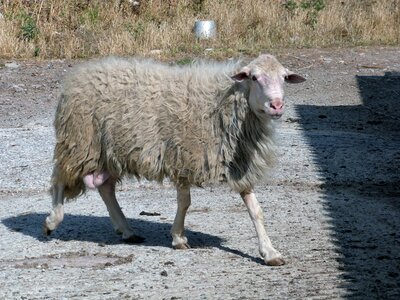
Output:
(152, 120)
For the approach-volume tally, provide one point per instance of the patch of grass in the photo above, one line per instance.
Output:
(29, 30)
(136, 30)
(82, 28)
(36, 52)
(184, 61)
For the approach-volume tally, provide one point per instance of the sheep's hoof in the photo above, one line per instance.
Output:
(134, 239)
(275, 262)
(182, 246)
(46, 230)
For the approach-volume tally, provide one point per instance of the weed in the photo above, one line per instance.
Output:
(91, 15)
(29, 30)
(311, 7)
(315, 5)
(135, 30)
(184, 61)
(36, 52)
(290, 5)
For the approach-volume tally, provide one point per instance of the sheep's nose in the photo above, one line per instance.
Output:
(276, 104)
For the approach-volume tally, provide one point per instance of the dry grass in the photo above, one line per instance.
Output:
(83, 28)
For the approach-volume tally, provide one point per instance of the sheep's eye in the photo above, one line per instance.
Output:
(254, 78)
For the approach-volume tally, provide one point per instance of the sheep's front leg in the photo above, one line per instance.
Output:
(179, 241)
(268, 253)
(107, 193)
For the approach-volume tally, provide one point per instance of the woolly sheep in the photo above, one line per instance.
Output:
(199, 124)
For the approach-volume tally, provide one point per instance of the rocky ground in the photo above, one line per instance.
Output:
(332, 205)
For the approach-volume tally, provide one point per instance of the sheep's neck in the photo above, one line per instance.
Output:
(246, 144)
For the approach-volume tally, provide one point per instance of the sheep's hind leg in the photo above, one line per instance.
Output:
(179, 241)
(107, 193)
(57, 213)
(268, 253)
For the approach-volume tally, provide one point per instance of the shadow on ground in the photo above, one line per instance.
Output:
(98, 229)
(357, 149)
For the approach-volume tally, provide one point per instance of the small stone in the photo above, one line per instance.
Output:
(11, 65)
(18, 88)
(327, 60)
(164, 273)
(145, 213)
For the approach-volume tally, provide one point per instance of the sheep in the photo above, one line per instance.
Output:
(196, 125)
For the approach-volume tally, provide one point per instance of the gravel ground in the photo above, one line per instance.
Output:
(332, 205)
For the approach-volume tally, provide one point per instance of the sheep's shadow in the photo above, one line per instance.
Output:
(357, 150)
(98, 229)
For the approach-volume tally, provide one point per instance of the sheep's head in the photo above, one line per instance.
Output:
(265, 77)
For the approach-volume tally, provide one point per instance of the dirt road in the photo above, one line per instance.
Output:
(332, 205)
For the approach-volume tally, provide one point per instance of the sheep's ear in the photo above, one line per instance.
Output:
(242, 75)
(293, 77)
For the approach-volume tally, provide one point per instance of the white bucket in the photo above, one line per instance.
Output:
(205, 29)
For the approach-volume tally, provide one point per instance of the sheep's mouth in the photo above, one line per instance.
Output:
(276, 116)
(272, 115)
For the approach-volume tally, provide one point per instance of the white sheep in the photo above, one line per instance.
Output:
(199, 124)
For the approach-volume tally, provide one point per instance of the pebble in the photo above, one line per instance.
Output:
(18, 88)
(11, 65)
